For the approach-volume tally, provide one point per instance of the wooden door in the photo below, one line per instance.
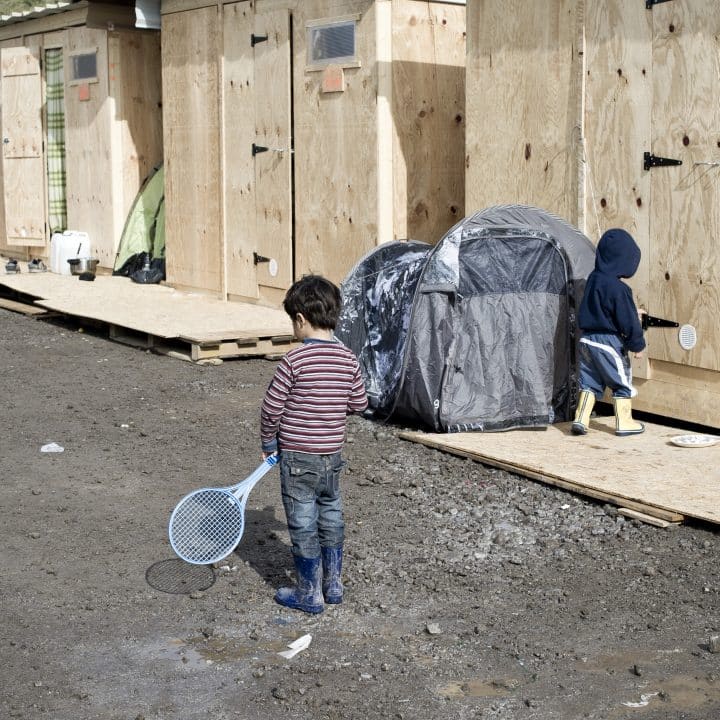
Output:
(272, 150)
(257, 140)
(685, 199)
(22, 138)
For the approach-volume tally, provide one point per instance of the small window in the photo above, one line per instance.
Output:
(331, 42)
(83, 67)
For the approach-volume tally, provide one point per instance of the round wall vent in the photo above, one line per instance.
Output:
(687, 337)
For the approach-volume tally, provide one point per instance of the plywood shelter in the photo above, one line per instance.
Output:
(586, 108)
(81, 123)
(299, 134)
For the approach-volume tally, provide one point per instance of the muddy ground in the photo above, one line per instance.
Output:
(470, 592)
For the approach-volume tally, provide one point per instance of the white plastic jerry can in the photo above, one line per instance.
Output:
(65, 246)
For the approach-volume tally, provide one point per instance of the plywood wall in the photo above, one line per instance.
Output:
(112, 138)
(648, 84)
(523, 104)
(136, 92)
(239, 90)
(617, 118)
(88, 151)
(5, 247)
(336, 162)
(346, 195)
(191, 84)
(428, 115)
(685, 221)
(113, 134)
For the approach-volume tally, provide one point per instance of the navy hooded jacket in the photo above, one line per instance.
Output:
(608, 305)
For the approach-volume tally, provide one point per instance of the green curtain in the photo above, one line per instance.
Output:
(55, 93)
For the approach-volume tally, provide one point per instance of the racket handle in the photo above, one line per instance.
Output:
(251, 480)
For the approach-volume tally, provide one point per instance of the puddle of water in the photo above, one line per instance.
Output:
(219, 649)
(177, 651)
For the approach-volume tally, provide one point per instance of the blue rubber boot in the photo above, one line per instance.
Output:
(332, 587)
(307, 594)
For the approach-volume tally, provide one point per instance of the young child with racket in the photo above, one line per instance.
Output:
(303, 417)
(611, 328)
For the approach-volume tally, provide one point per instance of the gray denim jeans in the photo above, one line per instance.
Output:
(310, 486)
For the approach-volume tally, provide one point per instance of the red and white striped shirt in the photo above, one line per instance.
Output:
(306, 405)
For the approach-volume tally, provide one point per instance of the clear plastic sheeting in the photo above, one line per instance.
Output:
(377, 302)
(477, 332)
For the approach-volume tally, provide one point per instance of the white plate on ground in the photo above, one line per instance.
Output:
(694, 440)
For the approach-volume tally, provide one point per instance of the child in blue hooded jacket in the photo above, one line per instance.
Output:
(611, 329)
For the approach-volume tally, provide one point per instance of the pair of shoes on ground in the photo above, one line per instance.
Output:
(12, 266)
(318, 582)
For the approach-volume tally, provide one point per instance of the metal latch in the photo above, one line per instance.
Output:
(255, 39)
(651, 161)
(649, 3)
(649, 321)
(261, 149)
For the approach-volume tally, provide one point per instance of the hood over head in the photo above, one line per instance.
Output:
(617, 254)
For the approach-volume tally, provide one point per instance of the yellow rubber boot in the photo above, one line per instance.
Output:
(624, 423)
(586, 402)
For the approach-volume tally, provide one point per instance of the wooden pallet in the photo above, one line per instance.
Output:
(204, 350)
(188, 326)
(22, 307)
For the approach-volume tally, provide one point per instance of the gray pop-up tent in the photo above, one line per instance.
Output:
(477, 332)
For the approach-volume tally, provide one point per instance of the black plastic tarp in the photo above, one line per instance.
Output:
(477, 332)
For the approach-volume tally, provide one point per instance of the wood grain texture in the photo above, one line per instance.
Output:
(523, 105)
(239, 88)
(192, 147)
(428, 114)
(23, 172)
(685, 222)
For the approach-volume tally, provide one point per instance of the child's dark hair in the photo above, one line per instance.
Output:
(317, 299)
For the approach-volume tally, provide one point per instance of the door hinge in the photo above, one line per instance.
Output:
(258, 149)
(255, 39)
(649, 3)
(260, 259)
(651, 161)
(649, 321)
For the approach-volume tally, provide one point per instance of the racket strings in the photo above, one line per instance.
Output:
(206, 526)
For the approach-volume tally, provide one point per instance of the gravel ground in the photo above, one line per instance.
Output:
(470, 592)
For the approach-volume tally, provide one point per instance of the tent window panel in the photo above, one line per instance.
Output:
(55, 122)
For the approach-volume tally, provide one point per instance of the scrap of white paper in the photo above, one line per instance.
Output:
(52, 447)
(644, 700)
(296, 646)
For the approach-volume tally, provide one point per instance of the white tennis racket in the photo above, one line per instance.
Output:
(207, 524)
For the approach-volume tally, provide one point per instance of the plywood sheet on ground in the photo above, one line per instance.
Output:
(154, 309)
(639, 471)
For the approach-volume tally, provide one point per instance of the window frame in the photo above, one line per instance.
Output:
(346, 61)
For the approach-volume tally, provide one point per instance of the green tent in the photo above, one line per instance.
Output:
(143, 237)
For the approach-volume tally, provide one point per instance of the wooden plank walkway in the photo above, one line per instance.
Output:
(645, 474)
(185, 325)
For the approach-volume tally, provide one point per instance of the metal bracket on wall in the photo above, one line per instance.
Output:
(649, 3)
(651, 161)
(258, 149)
(255, 39)
(649, 321)
(259, 258)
